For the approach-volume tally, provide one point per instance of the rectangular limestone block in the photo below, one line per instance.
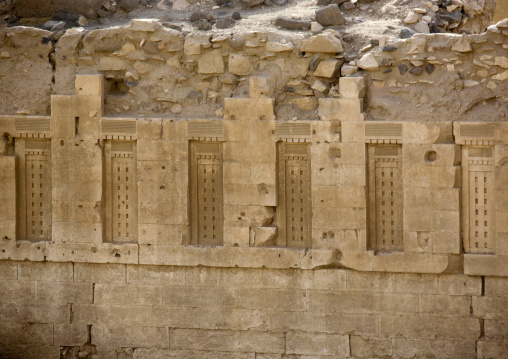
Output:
(8, 197)
(351, 110)
(488, 265)
(250, 194)
(334, 152)
(445, 305)
(99, 273)
(261, 87)
(248, 109)
(342, 239)
(425, 327)
(489, 307)
(339, 218)
(317, 344)
(174, 130)
(320, 279)
(149, 129)
(70, 334)
(459, 284)
(245, 216)
(63, 126)
(64, 292)
(46, 271)
(446, 242)
(236, 236)
(155, 150)
(338, 174)
(431, 155)
(392, 282)
(130, 336)
(89, 106)
(431, 348)
(496, 287)
(76, 211)
(18, 292)
(363, 302)
(431, 220)
(249, 152)
(351, 87)
(172, 234)
(88, 128)
(77, 232)
(353, 132)
(142, 353)
(63, 106)
(495, 329)
(235, 131)
(436, 177)
(241, 341)
(40, 334)
(492, 349)
(7, 124)
(370, 347)
(432, 198)
(143, 274)
(338, 196)
(89, 85)
(159, 212)
(127, 294)
(9, 270)
(255, 173)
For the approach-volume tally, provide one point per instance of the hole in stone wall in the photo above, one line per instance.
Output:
(430, 156)
(116, 87)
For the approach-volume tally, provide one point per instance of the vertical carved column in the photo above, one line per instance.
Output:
(295, 206)
(34, 189)
(478, 178)
(121, 191)
(206, 193)
(385, 197)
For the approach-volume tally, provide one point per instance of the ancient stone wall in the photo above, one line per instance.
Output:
(252, 195)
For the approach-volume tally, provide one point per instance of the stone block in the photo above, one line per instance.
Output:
(99, 273)
(248, 108)
(254, 173)
(110, 63)
(392, 282)
(410, 348)
(432, 198)
(40, 334)
(250, 152)
(495, 329)
(321, 279)
(70, 334)
(267, 299)
(9, 270)
(64, 292)
(236, 236)
(363, 302)
(495, 287)
(75, 211)
(148, 25)
(77, 232)
(19, 292)
(446, 242)
(261, 87)
(351, 87)
(455, 284)
(172, 234)
(125, 336)
(142, 353)
(338, 175)
(35, 312)
(211, 63)
(425, 133)
(436, 177)
(424, 327)
(46, 271)
(489, 307)
(329, 15)
(224, 340)
(240, 65)
(328, 68)
(155, 275)
(431, 220)
(317, 344)
(8, 197)
(325, 42)
(353, 132)
(261, 194)
(358, 324)
(492, 349)
(370, 347)
(339, 218)
(338, 196)
(445, 306)
(130, 294)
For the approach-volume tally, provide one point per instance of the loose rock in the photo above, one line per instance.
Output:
(292, 24)
(329, 16)
(368, 62)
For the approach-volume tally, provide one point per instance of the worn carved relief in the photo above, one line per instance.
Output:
(385, 197)
(206, 193)
(121, 191)
(34, 189)
(294, 209)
